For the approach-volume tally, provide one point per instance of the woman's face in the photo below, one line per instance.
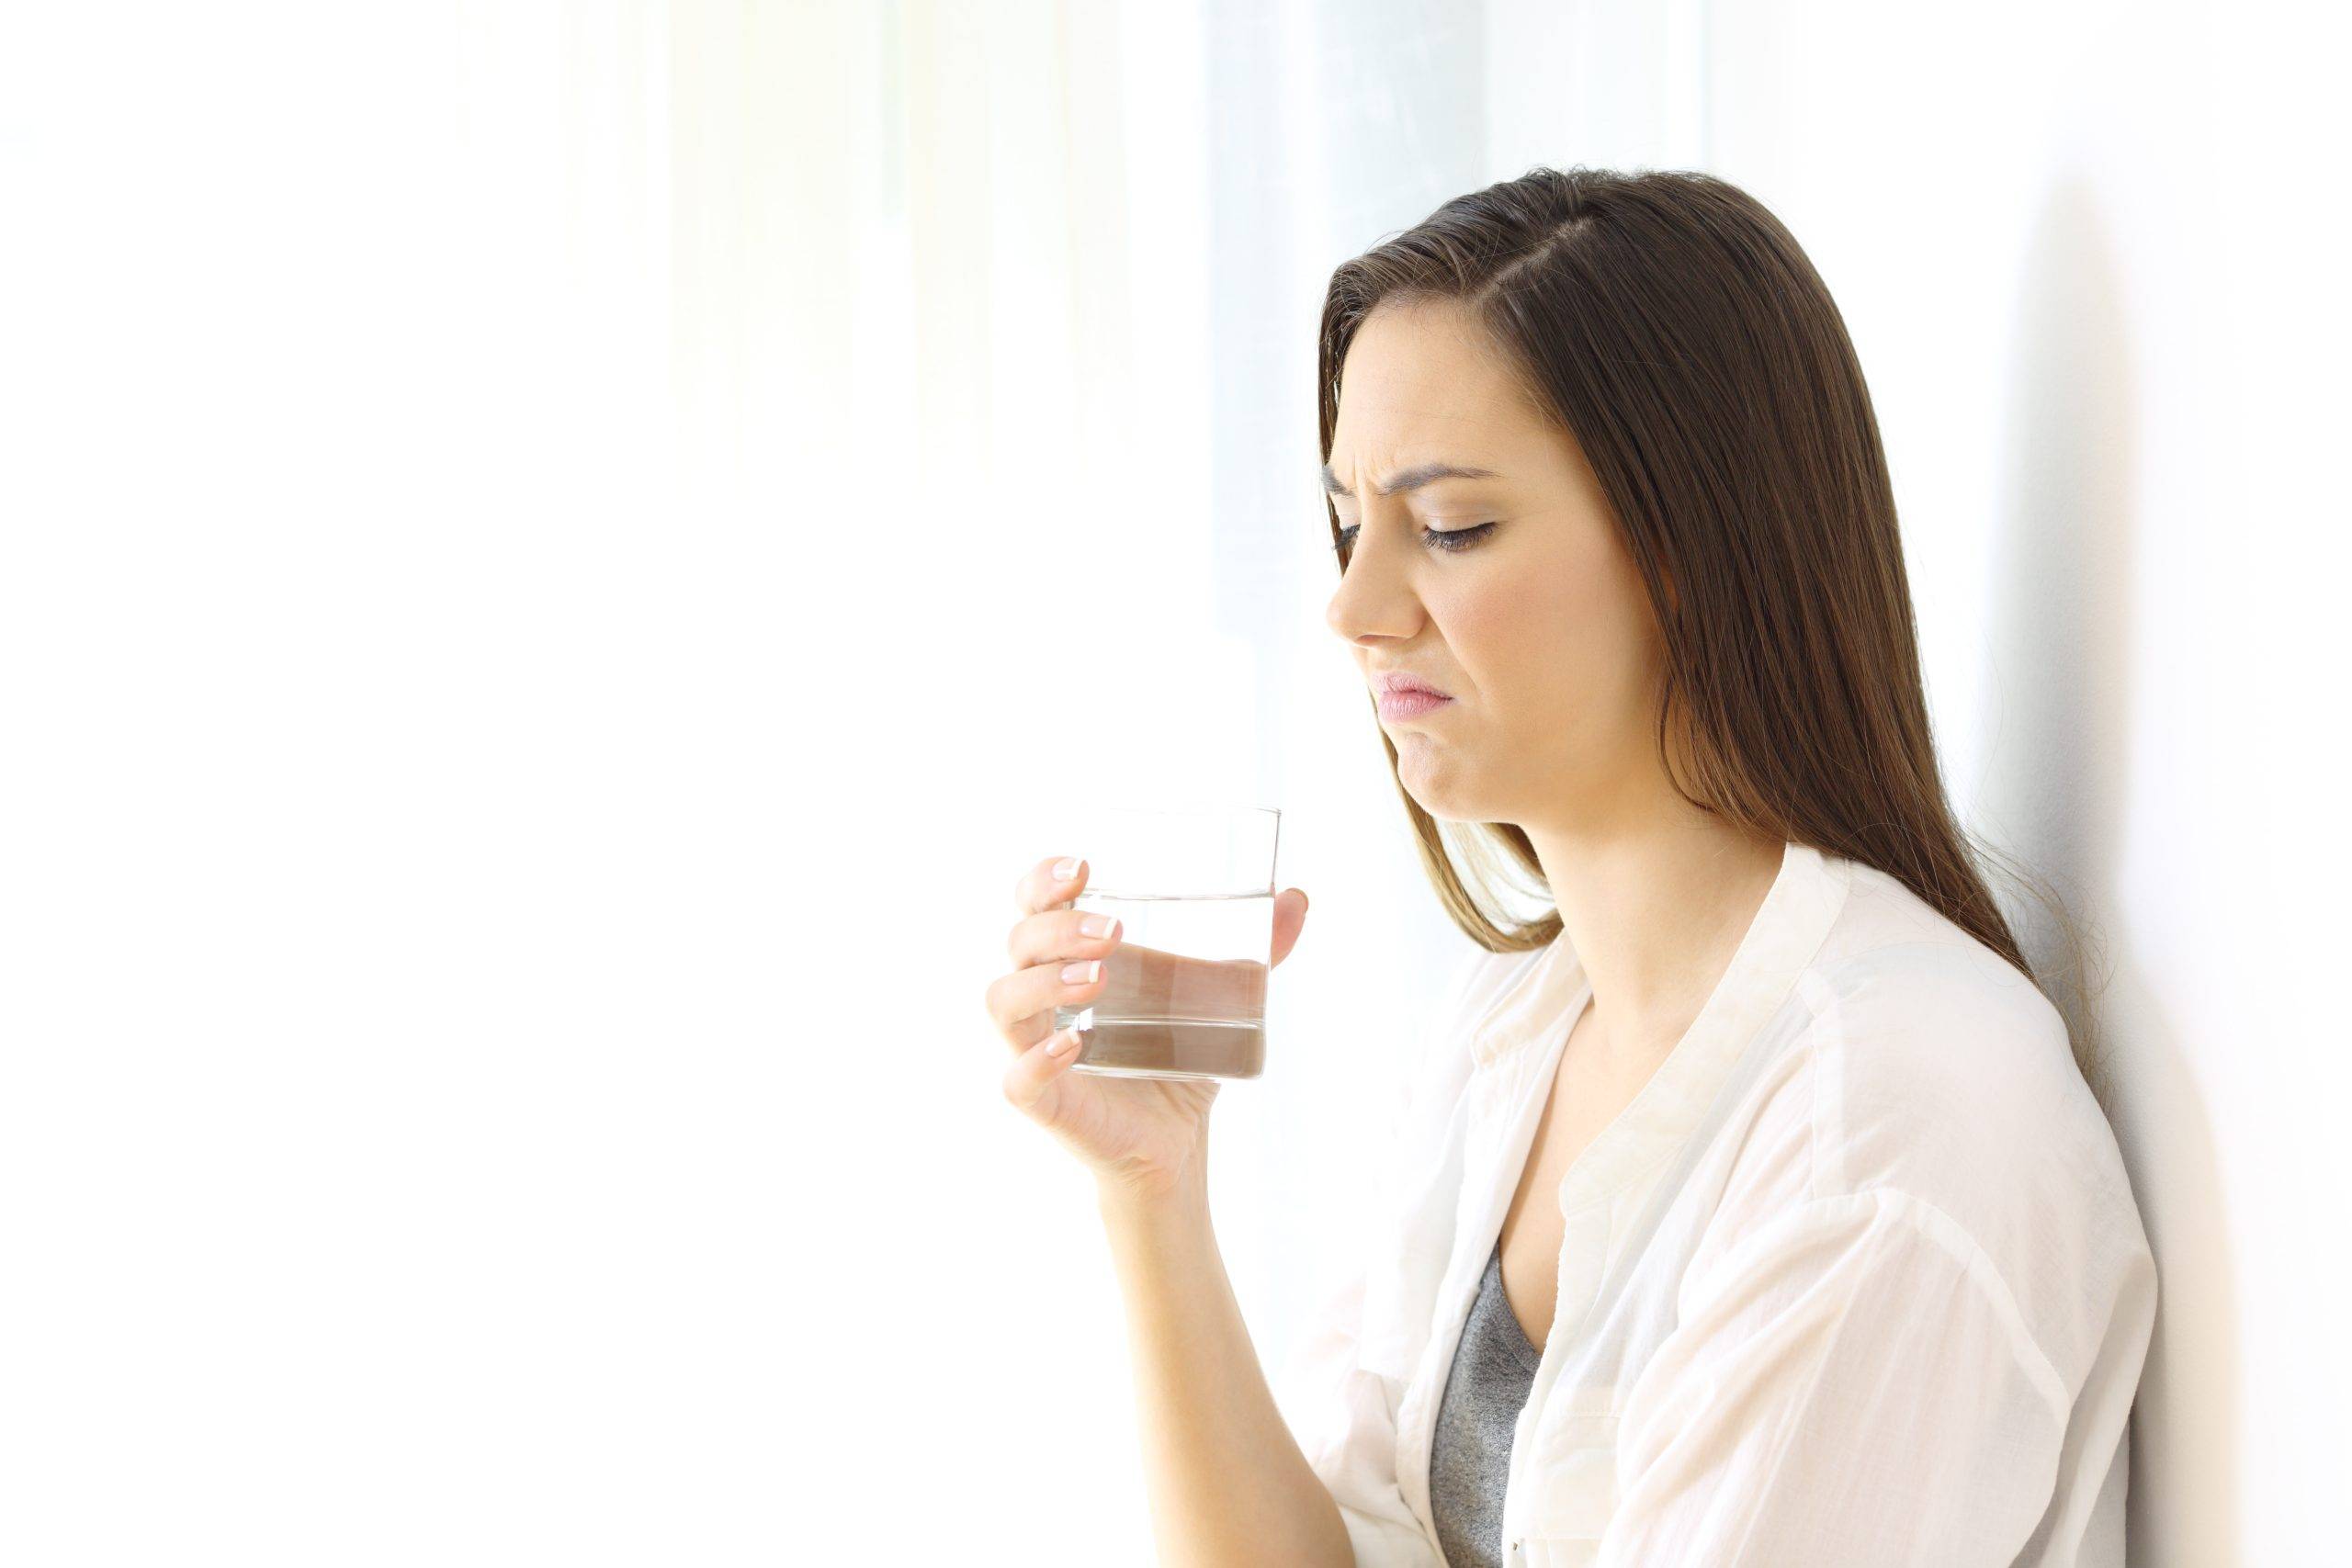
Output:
(1538, 626)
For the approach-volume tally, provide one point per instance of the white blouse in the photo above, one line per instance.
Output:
(1856, 1279)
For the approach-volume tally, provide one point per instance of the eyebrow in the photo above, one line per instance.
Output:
(1410, 478)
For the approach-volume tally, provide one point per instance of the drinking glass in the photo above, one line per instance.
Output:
(1184, 992)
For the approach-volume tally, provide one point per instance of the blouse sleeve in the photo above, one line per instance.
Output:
(1852, 1385)
(1351, 1443)
(1345, 1400)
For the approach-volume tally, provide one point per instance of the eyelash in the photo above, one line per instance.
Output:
(1430, 537)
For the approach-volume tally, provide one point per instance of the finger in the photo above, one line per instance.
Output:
(1050, 883)
(1063, 934)
(1033, 1080)
(1022, 1003)
(1290, 918)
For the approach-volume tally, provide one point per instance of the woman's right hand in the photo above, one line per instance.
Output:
(1140, 1136)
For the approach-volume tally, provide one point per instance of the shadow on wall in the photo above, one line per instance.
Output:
(2061, 691)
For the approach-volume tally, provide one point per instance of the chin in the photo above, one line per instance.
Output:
(1444, 804)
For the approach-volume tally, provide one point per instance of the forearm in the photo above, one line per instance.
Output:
(1227, 1482)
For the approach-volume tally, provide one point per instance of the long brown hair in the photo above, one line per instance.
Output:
(1675, 329)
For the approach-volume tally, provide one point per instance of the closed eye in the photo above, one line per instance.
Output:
(1450, 540)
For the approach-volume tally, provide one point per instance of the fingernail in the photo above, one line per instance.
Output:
(1065, 869)
(1083, 972)
(1065, 1045)
(1097, 925)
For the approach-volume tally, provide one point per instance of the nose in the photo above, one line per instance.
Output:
(1375, 602)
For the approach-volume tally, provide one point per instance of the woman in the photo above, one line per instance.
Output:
(1752, 1206)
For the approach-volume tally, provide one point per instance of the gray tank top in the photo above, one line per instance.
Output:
(1470, 1457)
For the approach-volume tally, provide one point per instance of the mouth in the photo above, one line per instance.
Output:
(1390, 683)
(1411, 702)
(1403, 696)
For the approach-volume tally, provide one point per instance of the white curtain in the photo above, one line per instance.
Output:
(561, 559)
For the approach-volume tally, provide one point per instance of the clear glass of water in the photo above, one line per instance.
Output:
(1184, 992)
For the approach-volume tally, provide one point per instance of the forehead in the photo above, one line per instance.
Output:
(1426, 376)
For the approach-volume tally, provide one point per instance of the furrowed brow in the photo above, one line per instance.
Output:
(1413, 478)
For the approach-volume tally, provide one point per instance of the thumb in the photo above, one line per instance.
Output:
(1290, 918)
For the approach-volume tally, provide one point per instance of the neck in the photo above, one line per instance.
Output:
(1654, 912)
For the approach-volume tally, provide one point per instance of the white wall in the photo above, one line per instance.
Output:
(2091, 258)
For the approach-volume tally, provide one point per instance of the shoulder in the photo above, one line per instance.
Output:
(1935, 1053)
(1478, 984)
(1440, 1070)
(1930, 1076)
(1484, 977)
(1910, 1052)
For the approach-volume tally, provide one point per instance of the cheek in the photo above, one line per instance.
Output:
(1565, 640)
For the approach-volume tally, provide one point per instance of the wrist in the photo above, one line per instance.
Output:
(1121, 1201)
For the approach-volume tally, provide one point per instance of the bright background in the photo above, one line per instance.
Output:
(557, 561)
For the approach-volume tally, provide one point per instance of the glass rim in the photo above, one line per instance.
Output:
(1136, 809)
(1267, 820)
